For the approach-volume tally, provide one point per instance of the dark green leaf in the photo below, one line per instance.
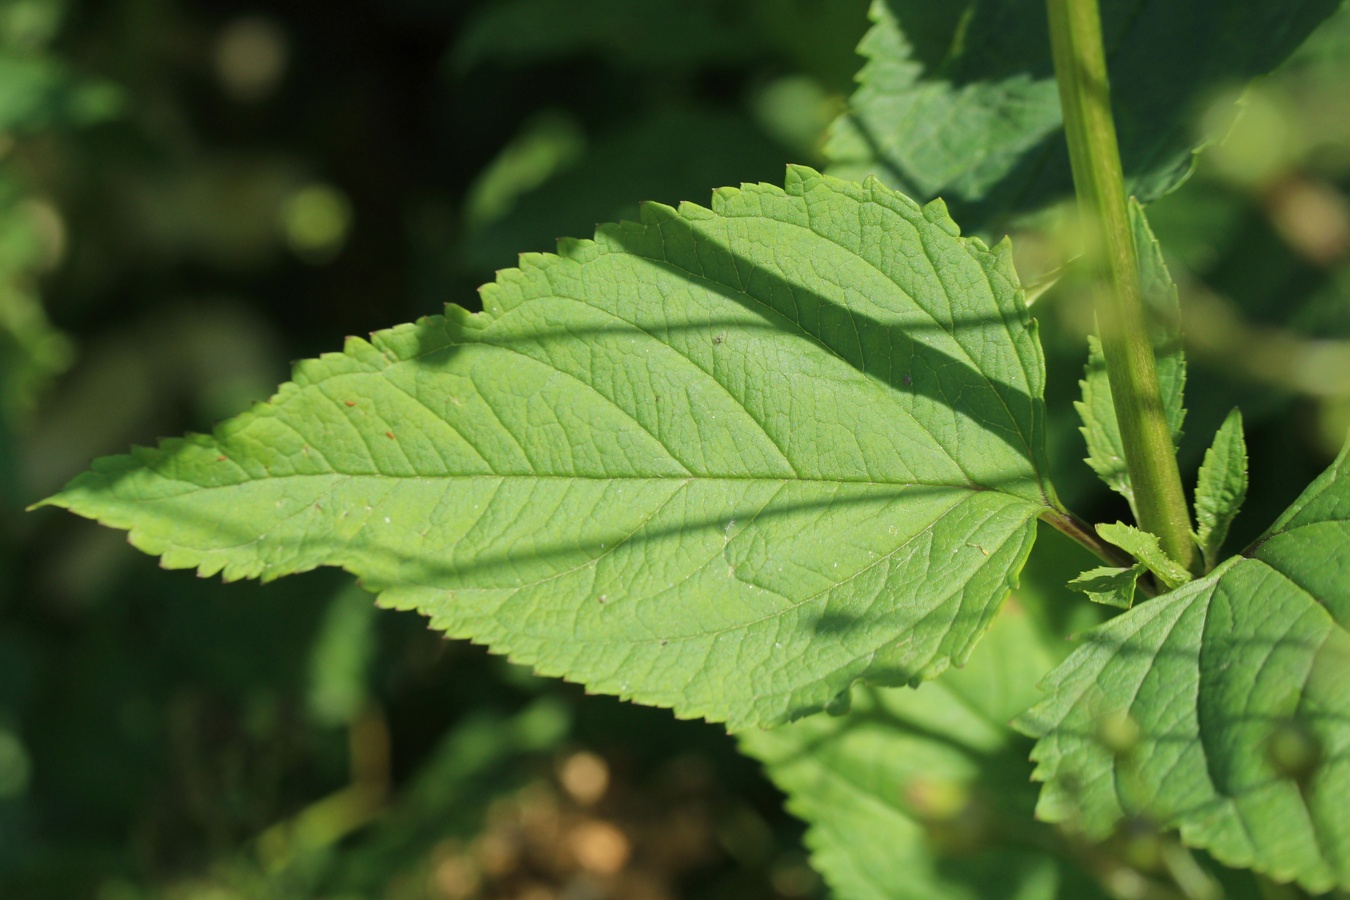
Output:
(925, 794)
(959, 100)
(1236, 685)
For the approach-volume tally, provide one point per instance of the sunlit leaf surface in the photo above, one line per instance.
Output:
(726, 460)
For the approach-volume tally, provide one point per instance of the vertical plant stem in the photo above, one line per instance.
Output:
(1080, 68)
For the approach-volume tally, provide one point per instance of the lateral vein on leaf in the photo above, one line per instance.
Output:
(891, 214)
(242, 435)
(447, 423)
(1256, 545)
(955, 589)
(792, 604)
(597, 392)
(497, 417)
(1122, 803)
(606, 552)
(685, 477)
(710, 376)
(974, 366)
(1314, 821)
(1289, 577)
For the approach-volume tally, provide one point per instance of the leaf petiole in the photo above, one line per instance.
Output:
(1075, 528)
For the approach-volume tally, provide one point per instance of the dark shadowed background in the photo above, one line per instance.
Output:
(192, 194)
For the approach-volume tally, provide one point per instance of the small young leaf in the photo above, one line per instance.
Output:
(726, 460)
(1221, 487)
(1101, 430)
(959, 99)
(911, 796)
(1235, 685)
(1110, 586)
(1144, 547)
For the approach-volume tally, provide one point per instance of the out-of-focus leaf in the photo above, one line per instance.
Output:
(38, 93)
(958, 100)
(926, 793)
(474, 763)
(1236, 687)
(340, 657)
(548, 144)
(666, 156)
(32, 351)
(820, 37)
(796, 111)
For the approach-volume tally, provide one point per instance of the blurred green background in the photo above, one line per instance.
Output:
(192, 194)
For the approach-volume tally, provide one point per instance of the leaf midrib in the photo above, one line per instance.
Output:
(677, 477)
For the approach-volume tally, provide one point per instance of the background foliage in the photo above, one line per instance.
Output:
(191, 194)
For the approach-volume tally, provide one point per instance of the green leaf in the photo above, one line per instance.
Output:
(38, 92)
(1110, 586)
(726, 460)
(32, 351)
(1237, 685)
(922, 794)
(1221, 486)
(340, 657)
(959, 99)
(1145, 548)
(1101, 430)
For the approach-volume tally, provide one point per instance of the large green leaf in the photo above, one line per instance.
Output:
(1236, 685)
(922, 794)
(959, 99)
(728, 461)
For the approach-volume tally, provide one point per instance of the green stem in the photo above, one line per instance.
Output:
(1080, 67)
